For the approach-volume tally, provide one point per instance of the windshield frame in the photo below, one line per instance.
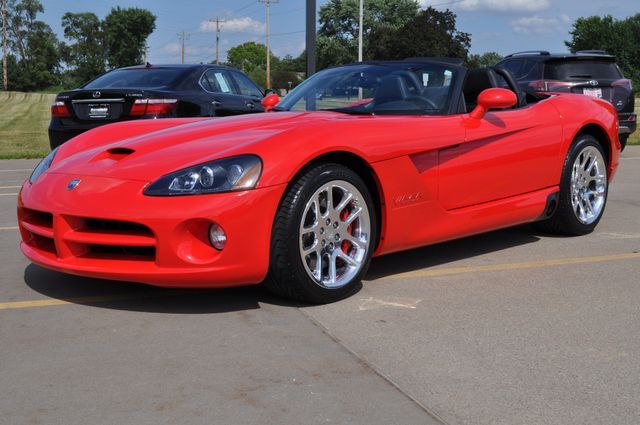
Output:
(450, 105)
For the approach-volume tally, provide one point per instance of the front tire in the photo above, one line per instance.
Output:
(323, 236)
(583, 190)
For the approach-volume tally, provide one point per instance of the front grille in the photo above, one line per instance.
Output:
(36, 228)
(64, 236)
(111, 226)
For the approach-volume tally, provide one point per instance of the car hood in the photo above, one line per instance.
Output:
(151, 155)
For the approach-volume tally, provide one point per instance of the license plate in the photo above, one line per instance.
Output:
(98, 110)
(596, 93)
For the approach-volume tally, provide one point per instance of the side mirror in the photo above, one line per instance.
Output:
(493, 99)
(270, 102)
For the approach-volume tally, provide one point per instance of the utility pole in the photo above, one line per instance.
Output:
(360, 31)
(146, 54)
(268, 5)
(218, 21)
(183, 40)
(311, 37)
(5, 76)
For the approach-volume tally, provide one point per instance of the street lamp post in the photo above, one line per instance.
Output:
(311, 37)
(360, 31)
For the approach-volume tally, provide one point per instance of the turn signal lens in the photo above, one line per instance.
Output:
(152, 107)
(217, 237)
(59, 110)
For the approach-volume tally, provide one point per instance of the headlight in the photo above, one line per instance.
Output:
(224, 175)
(42, 166)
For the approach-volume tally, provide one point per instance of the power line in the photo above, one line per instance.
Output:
(254, 2)
(446, 3)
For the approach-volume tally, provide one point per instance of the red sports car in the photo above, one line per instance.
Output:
(359, 161)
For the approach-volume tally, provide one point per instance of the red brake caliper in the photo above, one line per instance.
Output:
(345, 244)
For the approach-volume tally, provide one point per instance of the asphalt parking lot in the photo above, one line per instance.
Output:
(510, 327)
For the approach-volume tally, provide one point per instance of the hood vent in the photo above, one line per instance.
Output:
(115, 154)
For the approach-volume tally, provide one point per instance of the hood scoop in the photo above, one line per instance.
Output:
(114, 154)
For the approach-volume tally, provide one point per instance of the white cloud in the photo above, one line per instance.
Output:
(493, 5)
(235, 25)
(539, 25)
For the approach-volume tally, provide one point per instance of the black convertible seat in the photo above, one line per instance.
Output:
(512, 85)
(392, 88)
(478, 80)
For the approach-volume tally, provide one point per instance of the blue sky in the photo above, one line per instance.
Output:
(500, 25)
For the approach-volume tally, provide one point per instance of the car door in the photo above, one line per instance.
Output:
(504, 154)
(222, 93)
(249, 91)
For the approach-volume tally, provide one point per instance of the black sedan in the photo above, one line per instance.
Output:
(150, 91)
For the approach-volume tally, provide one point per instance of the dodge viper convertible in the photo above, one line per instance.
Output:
(359, 161)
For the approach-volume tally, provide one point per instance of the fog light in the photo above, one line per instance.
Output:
(217, 237)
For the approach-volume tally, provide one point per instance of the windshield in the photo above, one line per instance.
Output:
(393, 88)
(136, 78)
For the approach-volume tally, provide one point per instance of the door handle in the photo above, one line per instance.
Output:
(251, 105)
(216, 103)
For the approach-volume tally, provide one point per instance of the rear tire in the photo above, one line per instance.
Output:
(583, 190)
(623, 141)
(323, 236)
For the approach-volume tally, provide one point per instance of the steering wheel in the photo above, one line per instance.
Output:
(423, 101)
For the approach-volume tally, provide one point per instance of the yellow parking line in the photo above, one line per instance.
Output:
(8, 194)
(19, 170)
(419, 273)
(10, 187)
(9, 228)
(90, 300)
(515, 266)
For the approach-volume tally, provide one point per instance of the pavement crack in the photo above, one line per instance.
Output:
(363, 361)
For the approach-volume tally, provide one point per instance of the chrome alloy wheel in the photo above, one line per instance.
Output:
(335, 234)
(588, 185)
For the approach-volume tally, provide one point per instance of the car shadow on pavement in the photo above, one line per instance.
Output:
(144, 298)
(448, 252)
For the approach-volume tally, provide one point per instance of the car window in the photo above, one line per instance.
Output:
(581, 69)
(137, 78)
(217, 81)
(515, 66)
(246, 86)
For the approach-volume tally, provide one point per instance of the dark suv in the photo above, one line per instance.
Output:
(590, 72)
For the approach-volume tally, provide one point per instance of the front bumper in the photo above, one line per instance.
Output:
(106, 228)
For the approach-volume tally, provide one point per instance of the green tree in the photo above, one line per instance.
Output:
(339, 18)
(617, 37)
(251, 58)
(86, 56)
(485, 59)
(35, 46)
(432, 33)
(125, 35)
(334, 51)
(338, 34)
